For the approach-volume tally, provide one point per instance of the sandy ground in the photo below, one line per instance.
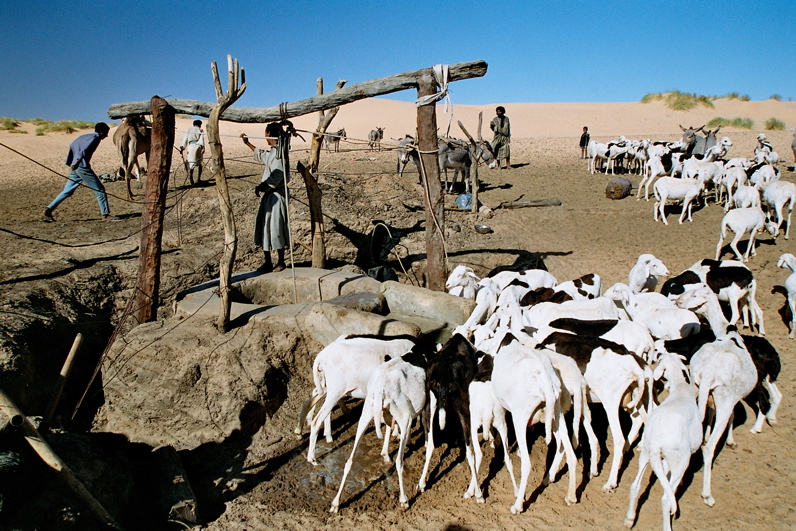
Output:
(276, 488)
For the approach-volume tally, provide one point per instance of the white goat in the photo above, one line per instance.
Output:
(787, 260)
(400, 387)
(717, 151)
(673, 432)
(462, 282)
(776, 195)
(523, 382)
(342, 367)
(658, 166)
(704, 301)
(597, 152)
(644, 275)
(678, 189)
(662, 322)
(724, 371)
(732, 177)
(617, 380)
(740, 221)
(744, 196)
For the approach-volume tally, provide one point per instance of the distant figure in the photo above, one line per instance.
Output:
(500, 143)
(79, 162)
(194, 140)
(793, 147)
(194, 135)
(584, 143)
(271, 228)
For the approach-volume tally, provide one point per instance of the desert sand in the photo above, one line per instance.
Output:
(277, 488)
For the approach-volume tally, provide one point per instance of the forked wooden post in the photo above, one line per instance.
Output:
(314, 195)
(157, 186)
(225, 99)
(435, 205)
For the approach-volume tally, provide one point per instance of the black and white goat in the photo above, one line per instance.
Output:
(731, 281)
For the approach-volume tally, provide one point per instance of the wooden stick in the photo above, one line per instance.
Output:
(59, 385)
(357, 91)
(553, 201)
(38, 443)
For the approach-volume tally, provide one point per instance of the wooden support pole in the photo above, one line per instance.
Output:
(59, 385)
(157, 185)
(37, 442)
(357, 91)
(314, 194)
(235, 75)
(473, 166)
(434, 199)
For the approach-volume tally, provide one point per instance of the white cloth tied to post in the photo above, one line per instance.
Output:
(441, 77)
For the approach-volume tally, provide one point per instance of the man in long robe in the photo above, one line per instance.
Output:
(501, 126)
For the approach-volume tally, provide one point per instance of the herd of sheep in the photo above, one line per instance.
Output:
(544, 350)
(687, 170)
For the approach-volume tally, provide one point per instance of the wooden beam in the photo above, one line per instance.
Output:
(357, 91)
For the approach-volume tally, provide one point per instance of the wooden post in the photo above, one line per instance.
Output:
(225, 99)
(474, 166)
(157, 185)
(314, 195)
(434, 199)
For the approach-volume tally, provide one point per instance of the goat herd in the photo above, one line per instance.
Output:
(540, 349)
(687, 169)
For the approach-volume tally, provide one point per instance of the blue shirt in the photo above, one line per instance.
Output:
(82, 149)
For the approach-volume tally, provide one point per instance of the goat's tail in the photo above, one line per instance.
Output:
(656, 462)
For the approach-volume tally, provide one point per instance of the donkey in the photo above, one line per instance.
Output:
(698, 144)
(459, 156)
(132, 138)
(333, 140)
(374, 139)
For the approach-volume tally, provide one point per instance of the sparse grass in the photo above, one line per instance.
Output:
(8, 124)
(62, 126)
(736, 96)
(737, 123)
(772, 124)
(38, 121)
(776, 97)
(679, 101)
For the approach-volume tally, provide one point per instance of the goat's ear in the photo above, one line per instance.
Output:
(681, 127)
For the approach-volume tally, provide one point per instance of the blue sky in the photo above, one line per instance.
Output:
(73, 59)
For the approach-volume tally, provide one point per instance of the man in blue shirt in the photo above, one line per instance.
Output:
(79, 162)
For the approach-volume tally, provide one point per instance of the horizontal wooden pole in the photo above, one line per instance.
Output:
(357, 91)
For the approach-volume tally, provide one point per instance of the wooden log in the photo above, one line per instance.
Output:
(357, 91)
(62, 377)
(435, 211)
(157, 186)
(40, 446)
(177, 498)
(553, 201)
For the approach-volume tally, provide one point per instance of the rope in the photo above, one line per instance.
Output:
(400, 262)
(427, 192)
